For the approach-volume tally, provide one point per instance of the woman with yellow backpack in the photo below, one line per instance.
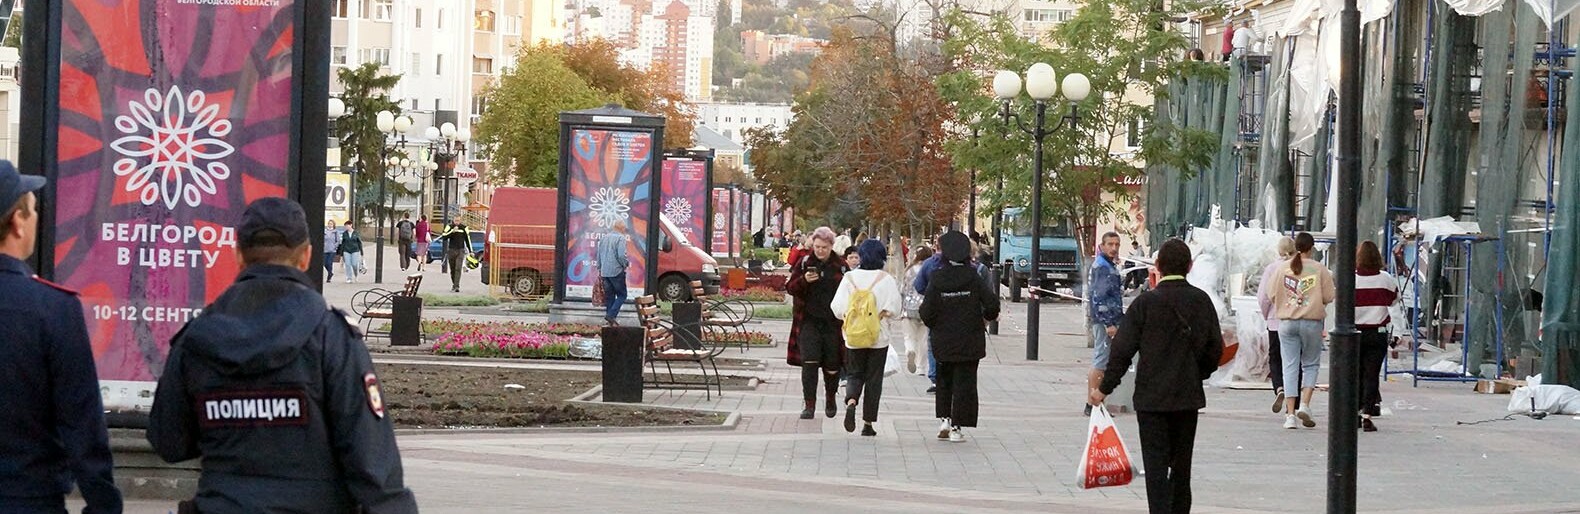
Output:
(868, 301)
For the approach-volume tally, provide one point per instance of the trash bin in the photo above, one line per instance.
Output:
(735, 279)
(622, 364)
(688, 318)
(406, 321)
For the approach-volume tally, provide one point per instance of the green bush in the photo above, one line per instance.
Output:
(539, 306)
(433, 300)
(774, 312)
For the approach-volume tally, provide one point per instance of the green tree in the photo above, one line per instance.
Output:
(597, 62)
(13, 32)
(1125, 49)
(521, 124)
(366, 92)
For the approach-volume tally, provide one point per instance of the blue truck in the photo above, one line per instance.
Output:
(1058, 256)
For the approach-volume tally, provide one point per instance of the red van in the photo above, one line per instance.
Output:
(521, 235)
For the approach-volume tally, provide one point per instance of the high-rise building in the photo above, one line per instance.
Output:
(675, 36)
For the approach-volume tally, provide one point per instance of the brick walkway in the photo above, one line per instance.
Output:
(1021, 459)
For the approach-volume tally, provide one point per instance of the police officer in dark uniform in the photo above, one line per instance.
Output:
(275, 390)
(52, 430)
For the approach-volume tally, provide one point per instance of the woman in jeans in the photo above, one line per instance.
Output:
(1302, 294)
(1375, 292)
(911, 321)
(351, 251)
(865, 365)
(1264, 297)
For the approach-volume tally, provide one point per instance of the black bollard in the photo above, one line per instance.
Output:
(993, 272)
(622, 364)
(406, 321)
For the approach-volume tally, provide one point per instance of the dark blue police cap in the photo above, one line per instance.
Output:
(278, 214)
(13, 185)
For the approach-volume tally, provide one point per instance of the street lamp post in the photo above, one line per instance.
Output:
(1346, 355)
(337, 109)
(446, 144)
(1040, 86)
(396, 127)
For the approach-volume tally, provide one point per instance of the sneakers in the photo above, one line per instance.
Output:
(867, 430)
(829, 408)
(1367, 426)
(1278, 403)
(932, 389)
(943, 429)
(1305, 418)
(850, 418)
(1290, 423)
(955, 436)
(910, 362)
(807, 412)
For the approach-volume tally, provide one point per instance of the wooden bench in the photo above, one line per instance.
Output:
(379, 304)
(664, 341)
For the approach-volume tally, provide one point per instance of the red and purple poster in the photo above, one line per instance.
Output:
(743, 219)
(174, 115)
(685, 196)
(610, 178)
(721, 222)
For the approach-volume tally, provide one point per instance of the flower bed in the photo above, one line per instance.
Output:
(509, 339)
(754, 294)
(441, 326)
(748, 338)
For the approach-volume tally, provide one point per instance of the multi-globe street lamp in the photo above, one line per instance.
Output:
(446, 144)
(395, 127)
(1041, 86)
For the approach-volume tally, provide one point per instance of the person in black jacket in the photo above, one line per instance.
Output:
(817, 334)
(1175, 329)
(955, 309)
(52, 430)
(276, 392)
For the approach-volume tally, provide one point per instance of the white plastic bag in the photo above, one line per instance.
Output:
(1104, 462)
(893, 363)
(1552, 399)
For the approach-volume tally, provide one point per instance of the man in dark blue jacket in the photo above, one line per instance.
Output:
(1105, 301)
(52, 430)
(276, 392)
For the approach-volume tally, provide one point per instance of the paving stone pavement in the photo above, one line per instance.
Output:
(1021, 459)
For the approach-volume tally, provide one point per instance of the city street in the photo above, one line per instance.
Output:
(1021, 459)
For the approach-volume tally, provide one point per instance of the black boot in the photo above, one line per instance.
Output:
(807, 413)
(830, 406)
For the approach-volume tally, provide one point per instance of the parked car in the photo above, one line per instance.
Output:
(436, 247)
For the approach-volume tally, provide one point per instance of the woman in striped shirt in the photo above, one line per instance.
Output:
(1375, 292)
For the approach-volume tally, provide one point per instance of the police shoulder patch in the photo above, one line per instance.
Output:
(55, 286)
(370, 383)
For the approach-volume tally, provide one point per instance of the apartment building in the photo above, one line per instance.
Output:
(732, 120)
(760, 47)
(675, 36)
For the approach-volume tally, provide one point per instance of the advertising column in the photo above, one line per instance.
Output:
(609, 170)
(170, 116)
(685, 196)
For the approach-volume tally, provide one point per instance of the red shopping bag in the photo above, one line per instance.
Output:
(1105, 463)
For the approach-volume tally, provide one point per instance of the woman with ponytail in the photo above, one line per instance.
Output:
(1301, 296)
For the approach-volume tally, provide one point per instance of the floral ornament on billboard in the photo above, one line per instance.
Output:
(677, 209)
(171, 149)
(608, 205)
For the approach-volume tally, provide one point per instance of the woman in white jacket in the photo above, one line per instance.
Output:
(865, 362)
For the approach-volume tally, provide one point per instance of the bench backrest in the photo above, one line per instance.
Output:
(413, 283)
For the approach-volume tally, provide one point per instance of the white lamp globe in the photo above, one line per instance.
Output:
(430, 166)
(447, 129)
(405, 163)
(337, 107)
(385, 121)
(464, 134)
(402, 123)
(1076, 87)
(431, 133)
(1040, 81)
(1006, 85)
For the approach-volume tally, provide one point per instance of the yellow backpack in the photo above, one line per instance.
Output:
(862, 319)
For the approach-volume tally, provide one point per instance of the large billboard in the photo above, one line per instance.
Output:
(609, 179)
(172, 116)
(685, 196)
